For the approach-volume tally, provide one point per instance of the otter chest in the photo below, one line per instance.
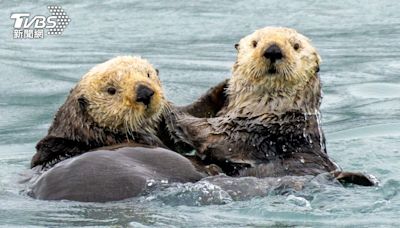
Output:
(250, 142)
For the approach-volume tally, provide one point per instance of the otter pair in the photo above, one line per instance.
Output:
(263, 122)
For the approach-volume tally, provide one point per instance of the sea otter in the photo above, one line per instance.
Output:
(118, 101)
(269, 125)
(113, 112)
(101, 111)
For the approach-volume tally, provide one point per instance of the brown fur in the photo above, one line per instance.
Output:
(210, 103)
(270, 125)
(91, 117)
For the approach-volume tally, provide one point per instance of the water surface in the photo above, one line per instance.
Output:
(192, 43)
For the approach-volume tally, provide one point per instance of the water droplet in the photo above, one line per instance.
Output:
(302, 160)
(150, 182)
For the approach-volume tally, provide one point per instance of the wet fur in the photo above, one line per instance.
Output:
(270, 123)
(90, 118)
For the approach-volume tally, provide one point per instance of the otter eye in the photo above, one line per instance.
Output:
(296, 46)
(254, 43)
(111, 90)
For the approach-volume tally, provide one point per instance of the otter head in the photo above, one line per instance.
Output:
(122, 95)
(115, 102)
(277, 69)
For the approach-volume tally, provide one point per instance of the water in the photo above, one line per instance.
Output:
(192, 45)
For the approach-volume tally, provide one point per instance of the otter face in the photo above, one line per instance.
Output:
(123, 94)
(277, 58)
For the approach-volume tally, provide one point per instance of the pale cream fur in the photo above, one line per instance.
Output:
(253, 91)
(120, 112)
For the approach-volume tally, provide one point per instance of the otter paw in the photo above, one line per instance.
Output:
(356, 178)
(213, 170)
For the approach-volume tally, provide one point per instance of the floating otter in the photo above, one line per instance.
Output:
(270, 123)
(112, 112)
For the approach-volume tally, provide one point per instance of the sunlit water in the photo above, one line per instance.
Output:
(192, 45)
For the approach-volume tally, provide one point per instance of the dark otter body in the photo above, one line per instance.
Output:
(289, 144)
(269, 145)
(256, 142)
(106, 175)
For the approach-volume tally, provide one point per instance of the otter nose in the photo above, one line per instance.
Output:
(273, 53)
(144, 94)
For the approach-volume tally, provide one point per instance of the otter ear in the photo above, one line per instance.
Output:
(157, 71)
(83, 103)
(237, 47)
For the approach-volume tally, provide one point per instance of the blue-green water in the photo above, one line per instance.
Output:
(192, 45)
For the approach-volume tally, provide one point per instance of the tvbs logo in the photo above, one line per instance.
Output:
(27, 27)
